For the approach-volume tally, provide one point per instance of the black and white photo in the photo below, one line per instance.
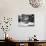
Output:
(26, 20)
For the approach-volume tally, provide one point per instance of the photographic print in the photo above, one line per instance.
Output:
(26, 20)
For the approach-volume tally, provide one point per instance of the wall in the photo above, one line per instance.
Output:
(13, 8)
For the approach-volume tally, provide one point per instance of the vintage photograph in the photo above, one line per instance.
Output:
(26, 20)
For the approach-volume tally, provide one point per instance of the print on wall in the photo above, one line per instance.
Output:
(35, 3)
(26, 20)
